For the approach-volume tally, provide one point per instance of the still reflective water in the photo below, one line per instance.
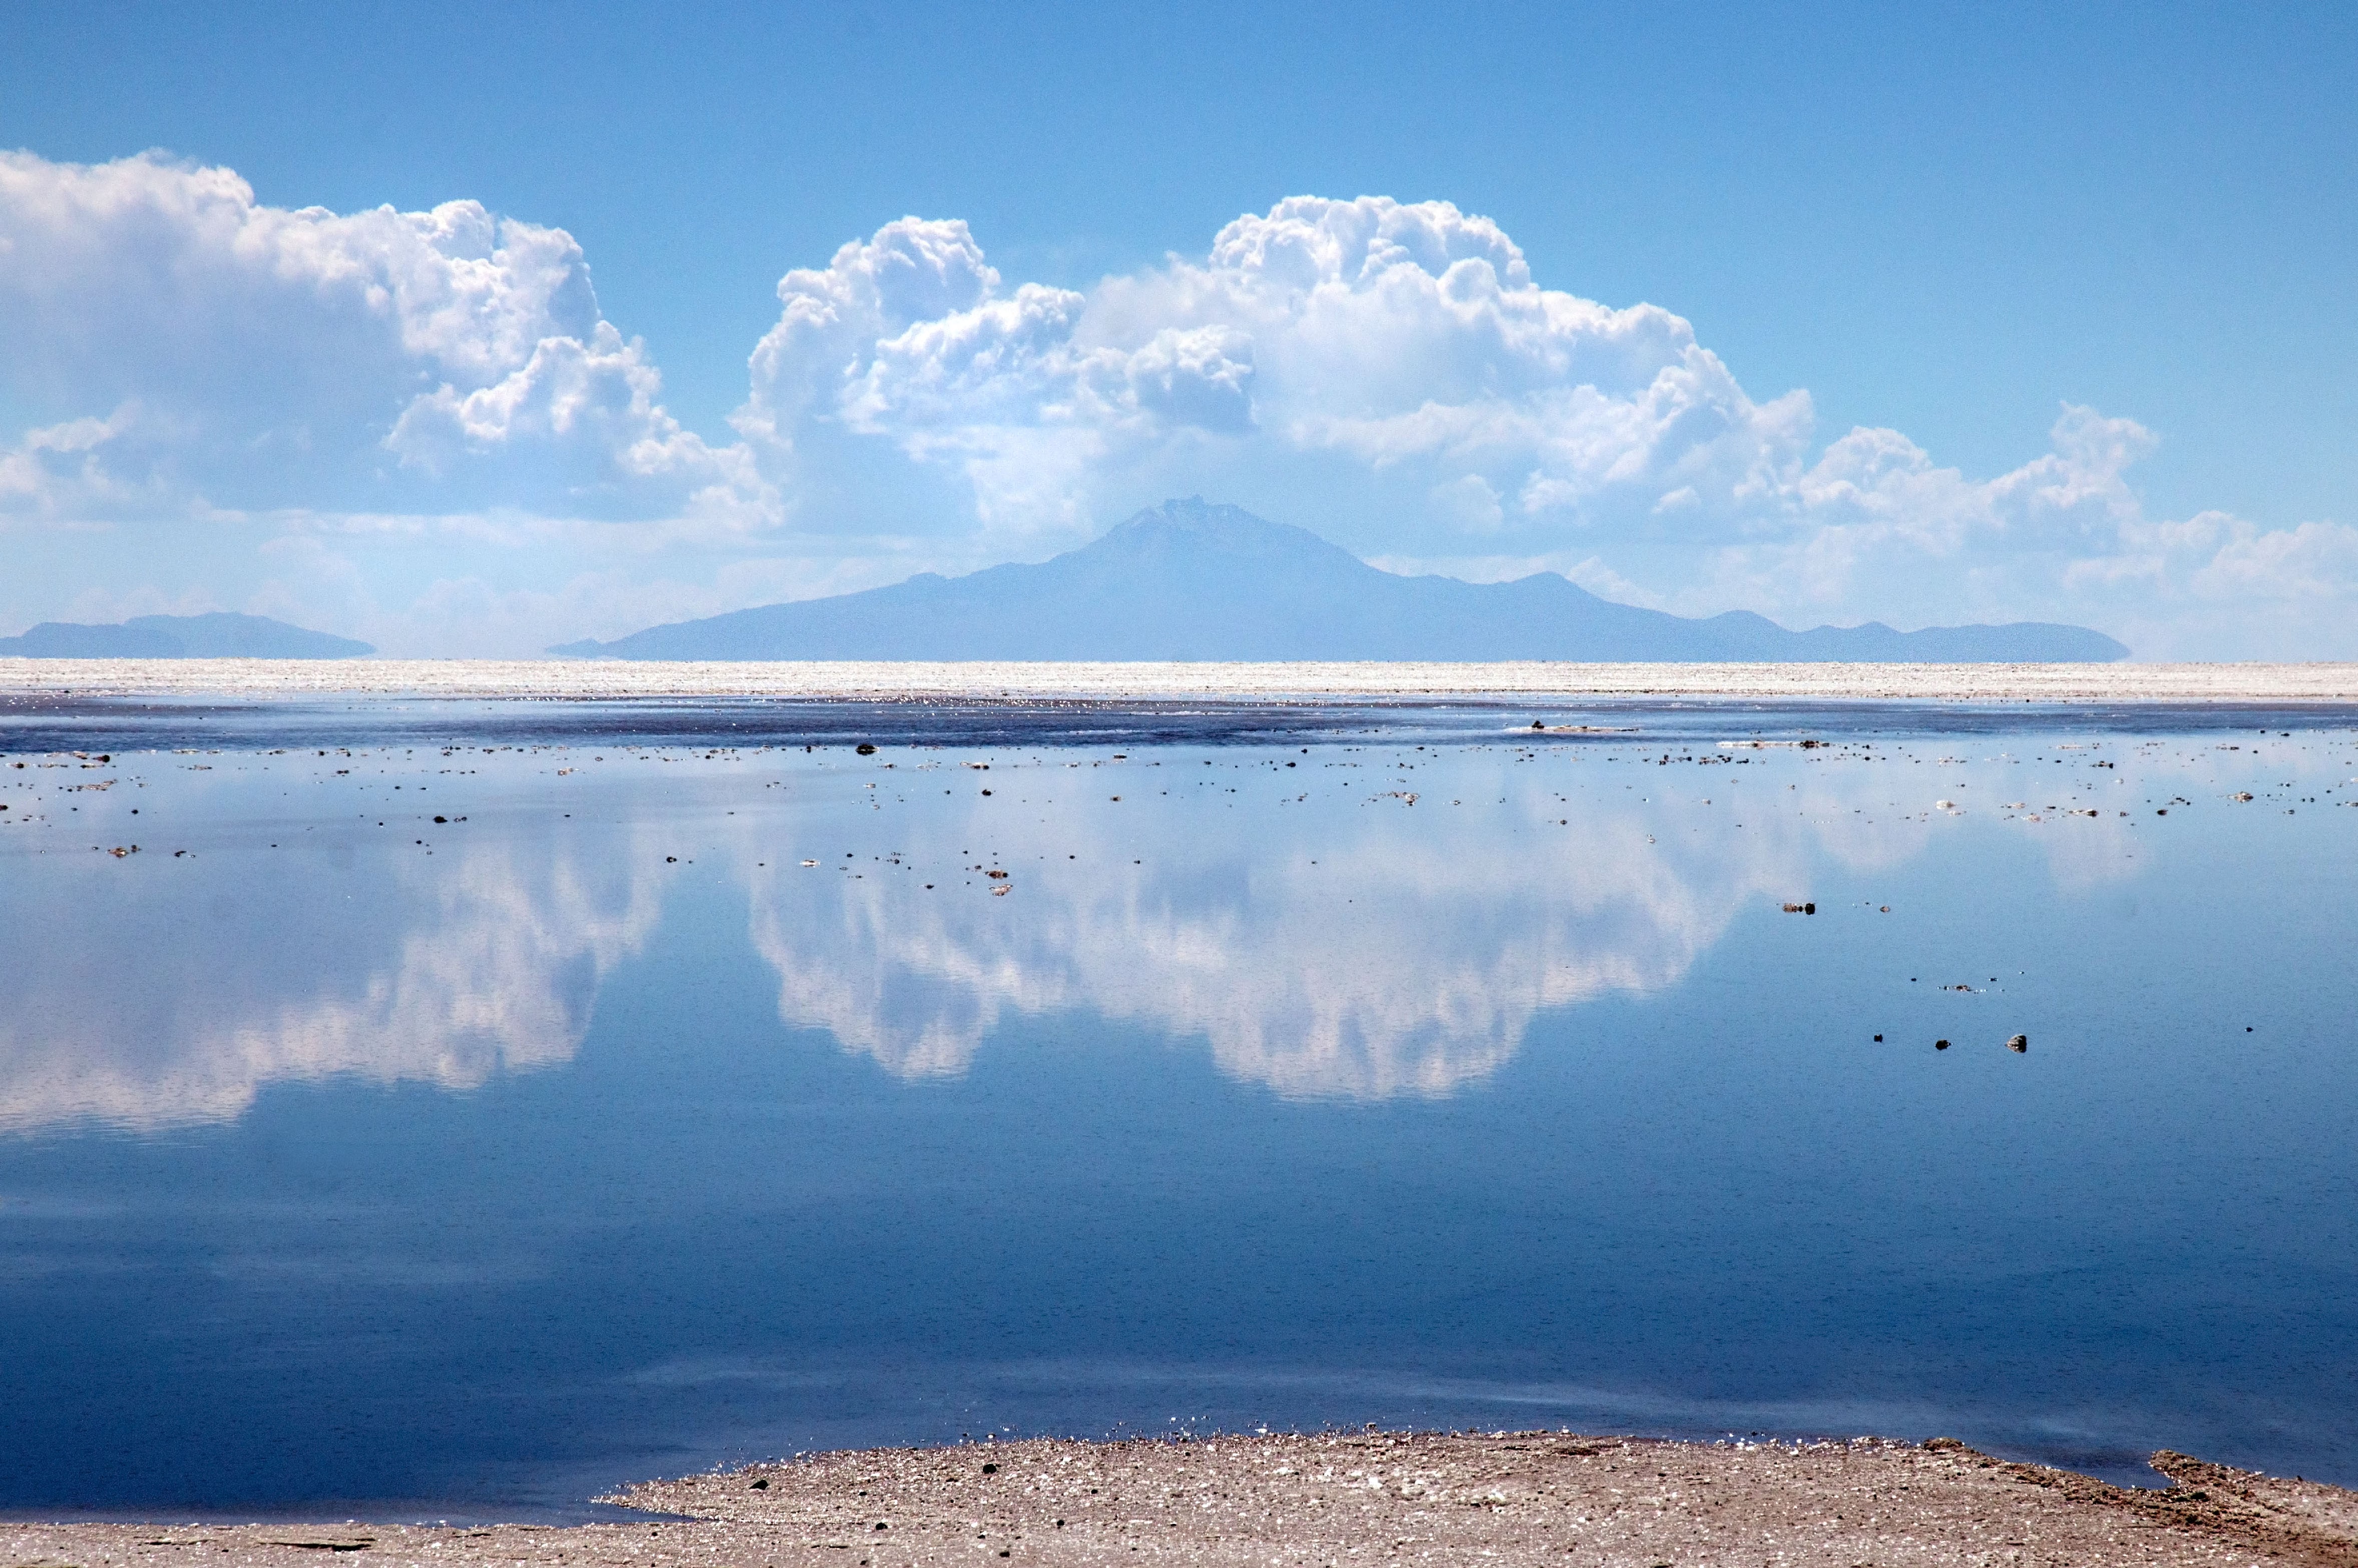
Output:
(666, 1104)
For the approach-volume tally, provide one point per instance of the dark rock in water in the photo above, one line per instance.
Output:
(2018, 1045)
(1940, 1044)
(865, 748)
(1188, 580)
(219, 635)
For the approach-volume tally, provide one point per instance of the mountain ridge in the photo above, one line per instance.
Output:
(220, 635)
(1193, 581)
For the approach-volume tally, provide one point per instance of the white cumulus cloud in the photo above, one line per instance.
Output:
(1391, 375)
(438, 396)
(202, 352)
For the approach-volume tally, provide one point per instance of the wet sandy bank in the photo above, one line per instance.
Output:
(1332, 1498)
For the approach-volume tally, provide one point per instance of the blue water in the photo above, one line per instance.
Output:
(350, 1160)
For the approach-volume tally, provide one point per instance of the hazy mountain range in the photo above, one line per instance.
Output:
(219, 635)
(1192, 582)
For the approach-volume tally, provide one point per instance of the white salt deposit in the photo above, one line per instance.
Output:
(1114, 682)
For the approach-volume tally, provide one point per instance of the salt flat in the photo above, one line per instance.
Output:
(2219, 683)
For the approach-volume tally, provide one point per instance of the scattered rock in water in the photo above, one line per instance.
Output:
(2018, 1045)
(2241, 794)
(865, 748)
(1878, 1040)
(1792, 908)
(1940, 1044)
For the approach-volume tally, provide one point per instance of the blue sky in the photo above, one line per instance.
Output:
(2088, 270)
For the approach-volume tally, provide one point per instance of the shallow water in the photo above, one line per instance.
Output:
(1308, 1068)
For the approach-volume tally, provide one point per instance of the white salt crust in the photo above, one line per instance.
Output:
(2235, 683)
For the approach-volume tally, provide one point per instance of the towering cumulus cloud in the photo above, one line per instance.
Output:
(1390, 374)
(200, 352)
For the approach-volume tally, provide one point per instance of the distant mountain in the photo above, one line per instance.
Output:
(219, 635)
(1191, 581)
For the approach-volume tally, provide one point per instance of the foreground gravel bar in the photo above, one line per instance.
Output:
(1358, 1497)
(586, 679)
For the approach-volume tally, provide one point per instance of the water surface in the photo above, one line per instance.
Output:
(685, 1095)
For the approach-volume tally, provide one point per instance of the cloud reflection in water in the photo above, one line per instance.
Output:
(1344, 944)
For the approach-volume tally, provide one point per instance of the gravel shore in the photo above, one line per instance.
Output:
(1342, 1497)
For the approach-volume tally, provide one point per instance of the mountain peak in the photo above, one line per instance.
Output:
(1195, 528)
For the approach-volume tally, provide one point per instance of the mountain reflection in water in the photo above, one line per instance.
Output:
(1325, 935)
(658, 1107)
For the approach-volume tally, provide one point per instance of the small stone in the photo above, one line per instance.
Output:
(2018, 1045)
(865, 748)
(762, 1485)
(991, 1469)
(1940, 1044)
